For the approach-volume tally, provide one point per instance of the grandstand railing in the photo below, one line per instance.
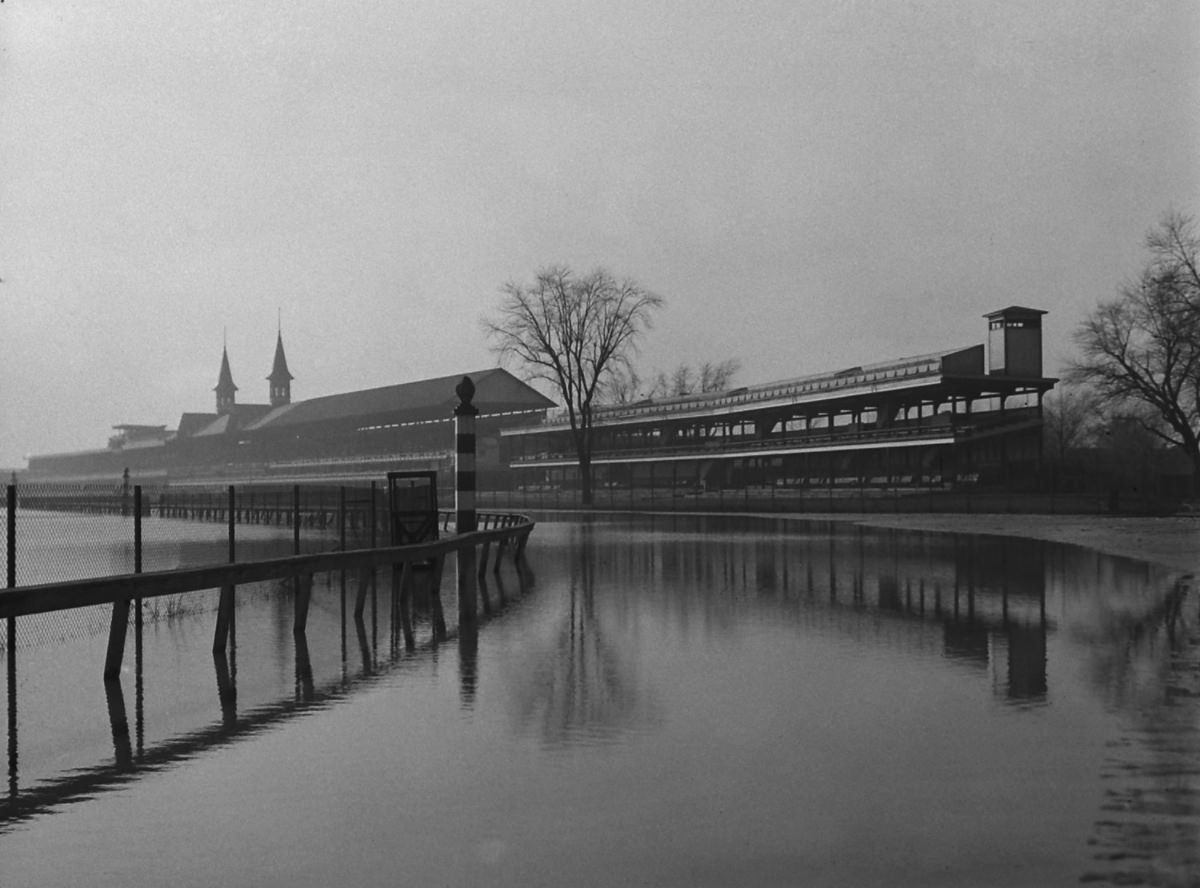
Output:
(941, 428)
(905, 370)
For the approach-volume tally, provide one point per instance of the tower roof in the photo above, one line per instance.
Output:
(225, 378)
(1015, 311)
(279, 370)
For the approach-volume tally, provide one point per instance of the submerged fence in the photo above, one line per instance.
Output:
(70, 547)
(219, 545)
(72, 531)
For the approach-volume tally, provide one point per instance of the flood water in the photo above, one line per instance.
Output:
(655, 701)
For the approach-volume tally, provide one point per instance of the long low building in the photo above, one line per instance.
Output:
(963, 416)
(367, 432)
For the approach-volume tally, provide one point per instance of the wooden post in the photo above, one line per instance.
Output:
(435, 598)
(405, 598)
(122, 747)
(225, 603)
(342, 518)
(12, 578)
(116, 638)
(224, 619)
(232, 538)
(374, 518)
(119, 622)
(295, 519)
(483, 559)
(360, 598)
(303, 585)
(226, 690)
(139, 694)
(305, 689)
(11, 650)
(500, 547)
(464, 499)
(12, 535)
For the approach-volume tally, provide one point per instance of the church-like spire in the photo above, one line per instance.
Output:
(225, 388)
(280, 378)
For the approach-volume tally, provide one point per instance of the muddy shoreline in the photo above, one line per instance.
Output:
(1172, 541)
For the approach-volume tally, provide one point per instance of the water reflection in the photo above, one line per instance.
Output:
(1148, 832)
(810, 666)
(871, 587)
(289, 603)
(578, 688)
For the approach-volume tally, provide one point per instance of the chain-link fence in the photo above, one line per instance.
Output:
(70, 531)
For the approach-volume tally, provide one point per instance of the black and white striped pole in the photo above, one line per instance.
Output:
(464, 497)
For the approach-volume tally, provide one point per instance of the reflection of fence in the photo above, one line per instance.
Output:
(128, 729)
(659, 490)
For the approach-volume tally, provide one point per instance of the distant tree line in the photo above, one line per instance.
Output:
(628, 386)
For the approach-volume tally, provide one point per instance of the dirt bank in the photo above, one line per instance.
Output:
(1173, 542)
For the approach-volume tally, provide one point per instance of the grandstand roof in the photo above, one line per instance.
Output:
(496, 391)
(240, 416)
(190, 423)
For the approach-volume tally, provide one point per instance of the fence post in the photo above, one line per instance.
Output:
(12, 536)
(225, 626)
(137, 619)
(232, 524)
(374, 518)
(464, 498)
(342, 517)
(295, 519)
(11, 651)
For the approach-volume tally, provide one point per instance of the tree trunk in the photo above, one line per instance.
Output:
(585, 479)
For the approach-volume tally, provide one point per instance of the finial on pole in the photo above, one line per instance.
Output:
(465, 391)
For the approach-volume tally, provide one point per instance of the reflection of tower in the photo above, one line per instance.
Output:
(1027, 662)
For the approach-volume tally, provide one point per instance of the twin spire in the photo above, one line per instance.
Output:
(280, 379)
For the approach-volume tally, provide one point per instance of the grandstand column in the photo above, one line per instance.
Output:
(464, 497)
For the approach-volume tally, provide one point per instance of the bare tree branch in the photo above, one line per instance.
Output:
(1143, 347)
(574, 332)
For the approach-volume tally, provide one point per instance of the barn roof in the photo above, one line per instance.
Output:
(190, 423)
(240, 416)
(496, 391)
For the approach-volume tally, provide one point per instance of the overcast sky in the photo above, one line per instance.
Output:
(810, 185)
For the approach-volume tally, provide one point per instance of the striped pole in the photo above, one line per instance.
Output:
(464, 497)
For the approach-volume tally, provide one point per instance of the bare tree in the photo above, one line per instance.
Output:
(718, 376)
(1070, 419)
(573, 332)
(683, 380)
(624, 386)
(1143, 347)
(711, 376)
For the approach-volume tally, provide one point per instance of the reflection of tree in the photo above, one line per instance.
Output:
(580, 690)
(1148, 831)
